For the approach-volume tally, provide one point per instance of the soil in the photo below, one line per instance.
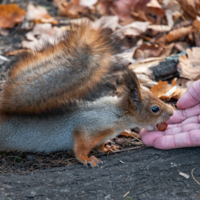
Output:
(137, 175)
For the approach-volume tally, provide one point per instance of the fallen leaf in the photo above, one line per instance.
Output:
(196, 25)
(172, 10)
(189, 66)
(161, 88)
(181, 46)
(122, 141)
(159, 29)
(120, 8)
(190, 7)
(175, 34)
(39, 14)
(166, 91)
(152, 10)
(148, 50)
(39, 35)
(133, 29)
(72, 9)
(10, 15)
(167, 49)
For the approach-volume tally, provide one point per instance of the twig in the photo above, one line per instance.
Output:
(124, 150)
(193, 177)
(127, 176)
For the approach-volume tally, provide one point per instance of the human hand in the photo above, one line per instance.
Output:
(184, 126)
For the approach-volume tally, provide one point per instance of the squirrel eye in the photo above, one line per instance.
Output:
(155, 109)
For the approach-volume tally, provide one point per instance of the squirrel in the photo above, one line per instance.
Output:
(86, 124)
(43, 80)
(42, 108)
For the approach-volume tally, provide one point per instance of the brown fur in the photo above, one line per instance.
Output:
(45, 80)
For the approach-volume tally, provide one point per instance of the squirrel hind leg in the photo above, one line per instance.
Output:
(85, 142)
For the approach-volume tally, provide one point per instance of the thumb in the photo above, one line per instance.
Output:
(191, 97)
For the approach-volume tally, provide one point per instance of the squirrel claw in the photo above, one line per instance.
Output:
(93, 161)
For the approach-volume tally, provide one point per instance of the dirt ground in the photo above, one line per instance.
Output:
(138, 175)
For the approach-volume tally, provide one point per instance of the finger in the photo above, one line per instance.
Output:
(182, 129)
(188, 121)
(181, 115)
(191, 97)
(186, 139)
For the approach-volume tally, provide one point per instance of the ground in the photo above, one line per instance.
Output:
(143, 174)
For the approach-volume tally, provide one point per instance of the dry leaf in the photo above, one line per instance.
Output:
(72, 9)
(39, 35)
(165, 91)
(189, 67)
(121, 8)
(167, 49)
(148, 50)
(39, 15)
(172, 8)
(176, 34)
(145, 80)
(10, 15)
(161, 88)
(132, 30)
(196, 25)
(190, 7)
(181, 46)
(151, 9)
(159, 29)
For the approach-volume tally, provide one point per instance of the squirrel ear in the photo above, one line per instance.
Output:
(132, 83)
(134, 96)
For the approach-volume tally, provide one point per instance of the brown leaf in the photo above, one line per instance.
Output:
(10, 15)
(190, 7)
(132, 30)
(121, 8)
(122, 141)
(165, 91)
(196, 25)
(189, 67)
(172, 11)
(176, 34)
(181, 46)
(39, 15)
(72, 9)
(39, 35)
(152, 10)
(148, 50)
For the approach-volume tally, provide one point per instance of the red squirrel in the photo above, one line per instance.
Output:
(48, 80)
